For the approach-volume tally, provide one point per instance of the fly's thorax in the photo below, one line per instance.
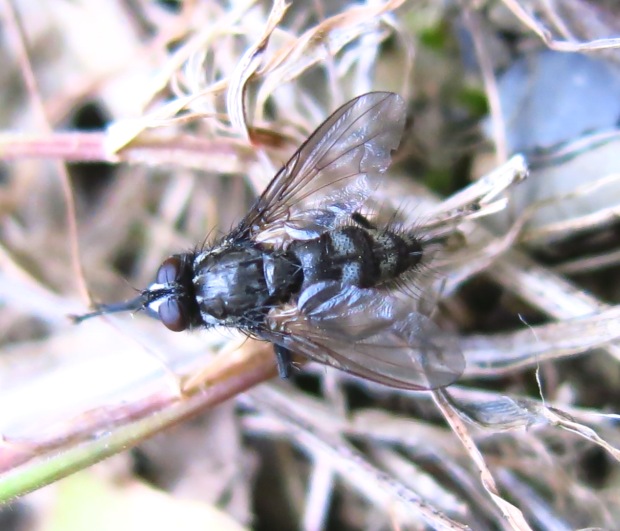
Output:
(357, 256)
(238, 283)
(229, 283)
(283, 275)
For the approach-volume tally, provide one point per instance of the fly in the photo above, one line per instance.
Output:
(309, 271)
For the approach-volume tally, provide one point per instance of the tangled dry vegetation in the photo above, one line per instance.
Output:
(132, 130)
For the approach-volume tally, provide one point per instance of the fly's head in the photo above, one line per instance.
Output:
(170, 298)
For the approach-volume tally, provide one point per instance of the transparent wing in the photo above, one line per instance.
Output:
(327, 174)
(370, 334)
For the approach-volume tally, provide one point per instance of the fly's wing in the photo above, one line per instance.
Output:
(370, 334)
(325, 179)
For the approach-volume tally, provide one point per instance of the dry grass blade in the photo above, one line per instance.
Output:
(317, 44)
(513, 515)
(502, 353)
(349, 463)
(530, 21)
(247, 66)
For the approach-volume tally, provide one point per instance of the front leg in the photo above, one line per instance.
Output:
(284, 359)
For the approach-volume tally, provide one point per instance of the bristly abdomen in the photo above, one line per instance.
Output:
(357, 255)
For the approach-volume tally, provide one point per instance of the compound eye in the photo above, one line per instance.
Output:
(173, 315)
(169, 271)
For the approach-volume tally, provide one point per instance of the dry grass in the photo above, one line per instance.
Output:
(203, 104)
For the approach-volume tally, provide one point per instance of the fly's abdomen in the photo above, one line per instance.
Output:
(396, 254)
(357, 256)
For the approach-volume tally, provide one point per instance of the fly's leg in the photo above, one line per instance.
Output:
(284, 359)
(362, 221)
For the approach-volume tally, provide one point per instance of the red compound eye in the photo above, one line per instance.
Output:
(173, 315)
(169, 271)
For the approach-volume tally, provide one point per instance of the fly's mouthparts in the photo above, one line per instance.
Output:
(131, 305)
